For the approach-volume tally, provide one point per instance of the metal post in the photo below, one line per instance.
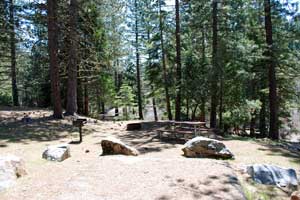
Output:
(80, 133)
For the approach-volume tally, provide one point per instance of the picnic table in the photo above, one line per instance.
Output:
(182, 127)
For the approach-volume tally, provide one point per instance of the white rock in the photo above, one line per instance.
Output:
(206, 148)
(11, 168)
(273, 175)
(57, 152)
(115, 146)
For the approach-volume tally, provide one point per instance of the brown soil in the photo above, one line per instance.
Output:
(160, 172)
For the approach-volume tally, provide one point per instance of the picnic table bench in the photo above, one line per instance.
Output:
(181, 128)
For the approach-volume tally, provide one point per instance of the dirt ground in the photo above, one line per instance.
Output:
(160, 172)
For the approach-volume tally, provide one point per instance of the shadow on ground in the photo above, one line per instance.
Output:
(215, 187)
(41, 129)
(274, 150)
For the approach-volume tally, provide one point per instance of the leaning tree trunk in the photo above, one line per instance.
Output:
(53, 51)
(13, 54)
(138, 62)
(165, 74)
(274, 132)
(214, 90)
(73, 63)
(178, 63)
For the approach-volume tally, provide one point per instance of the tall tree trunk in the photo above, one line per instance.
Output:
(188, 108)
(152, 87)
(252, 124)
(86, 100)
(273, 99)
(194, 112)
(80, 97)
(178, 63)
(253, 112)
(154, 106)
(103, 107)
(73, 62)
(98, 100)
(15, 95)
(53, 51)
(138, 62)
(262, 117)
(117, 87)
(165, 74)
(221, 100)
(202, 114)
(214, 85)
(202, 108)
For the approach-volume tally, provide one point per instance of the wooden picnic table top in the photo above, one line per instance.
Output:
(188, 122)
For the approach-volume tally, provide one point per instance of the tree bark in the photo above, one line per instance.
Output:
(252, 124)
(165, 73)
(154, 107)
(86, 100)
(214, 77)
(138, 76)
(15, 96)
(188, 108)
(80, 96)
(221, 100)
(73, 62)
(53, 54)
(194, 112)
(262, 117)
(178, 63)
(202, 108)
(271, 65)
(117, 87)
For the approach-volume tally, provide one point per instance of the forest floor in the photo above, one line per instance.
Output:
(160, 172)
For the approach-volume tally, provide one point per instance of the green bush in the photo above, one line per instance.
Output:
(242, 114)
(5, 99)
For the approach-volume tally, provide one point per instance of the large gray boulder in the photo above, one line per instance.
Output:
(273, 175)
(57, 152)
(206, 148)
(111, 146)
(11, 168)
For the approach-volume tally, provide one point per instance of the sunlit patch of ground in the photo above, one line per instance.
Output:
(160, 172)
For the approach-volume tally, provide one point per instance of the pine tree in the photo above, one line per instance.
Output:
(53, 54)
